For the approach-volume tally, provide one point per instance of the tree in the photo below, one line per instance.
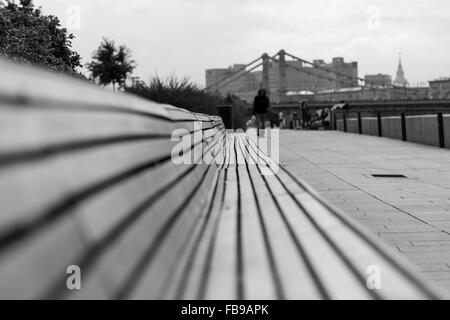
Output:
(111, 64)
(26, 35)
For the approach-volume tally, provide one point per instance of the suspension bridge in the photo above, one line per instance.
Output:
(317, 72)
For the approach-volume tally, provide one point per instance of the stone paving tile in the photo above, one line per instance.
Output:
(408, 228)
(432, 243)
(414, 236)
(435, 267)
(414, 249)
(430, 257)
(436, 275)
(410, 214)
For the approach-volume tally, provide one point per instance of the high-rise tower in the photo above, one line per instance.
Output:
(400, 80)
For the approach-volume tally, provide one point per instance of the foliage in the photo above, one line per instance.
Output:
(181, 93)
(26, 35)
(111, 64)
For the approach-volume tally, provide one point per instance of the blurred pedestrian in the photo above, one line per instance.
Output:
(261, 106)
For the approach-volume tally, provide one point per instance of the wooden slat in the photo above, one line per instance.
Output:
(119, 264)
(182, 186)
(31, 87)
(196, 269)
(258, 280)
(42, 128)
(289, 268)
(98, 216)
(295, 280)
(177, 114)
(47, 182)
(156, 277)
(26, 271)
(223, 279)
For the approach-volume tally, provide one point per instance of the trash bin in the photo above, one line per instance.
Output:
(226, 113)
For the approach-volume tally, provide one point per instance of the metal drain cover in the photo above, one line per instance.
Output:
(388, 175)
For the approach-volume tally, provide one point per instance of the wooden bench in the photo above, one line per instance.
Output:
(87, 179)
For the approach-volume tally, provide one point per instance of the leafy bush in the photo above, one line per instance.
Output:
(180, 93)
(184, 93)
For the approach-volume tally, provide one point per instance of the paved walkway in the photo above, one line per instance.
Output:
(411, 214)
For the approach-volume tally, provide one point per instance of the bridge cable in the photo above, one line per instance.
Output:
(313, 74)
(241, 75)
(216, 84)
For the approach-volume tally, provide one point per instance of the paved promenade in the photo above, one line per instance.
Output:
(412, 214)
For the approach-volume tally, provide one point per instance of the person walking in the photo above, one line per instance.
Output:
(260, 107)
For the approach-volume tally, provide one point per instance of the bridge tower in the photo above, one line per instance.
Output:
(282, 69)
(265, 73)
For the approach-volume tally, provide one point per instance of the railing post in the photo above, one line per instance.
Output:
(403, 121)
(335, 120)
(359, 123)
(344, 116)
(333, 127)
(380, 131)
(440, 119)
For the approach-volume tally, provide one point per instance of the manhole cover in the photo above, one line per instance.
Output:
(388, 175)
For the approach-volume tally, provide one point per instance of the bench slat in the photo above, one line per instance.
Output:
(155, 280)
(47, 183)
(255, 256)
(222, 283)
(294, 278)
(18, 85)
(195, 276)
(42, 128)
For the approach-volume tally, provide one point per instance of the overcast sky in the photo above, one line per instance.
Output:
(185, 37)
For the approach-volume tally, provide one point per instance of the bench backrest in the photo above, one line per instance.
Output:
(87, 180)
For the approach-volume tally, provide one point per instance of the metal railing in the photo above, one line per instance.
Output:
(430, 126)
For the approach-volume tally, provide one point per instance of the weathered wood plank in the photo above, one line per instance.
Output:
(197, 269)
(25, 129)
(26, 271)
(223, 281)
(18, 85)
(45, 183)
(258, 280)
(156, 277)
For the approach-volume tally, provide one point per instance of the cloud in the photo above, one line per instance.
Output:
(188, 36)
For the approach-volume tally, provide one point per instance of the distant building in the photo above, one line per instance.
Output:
(235, 82)
(440, 88)
(378, 80)
(400, 80)
(299, 77)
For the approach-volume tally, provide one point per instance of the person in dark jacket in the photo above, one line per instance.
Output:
(260, 107)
